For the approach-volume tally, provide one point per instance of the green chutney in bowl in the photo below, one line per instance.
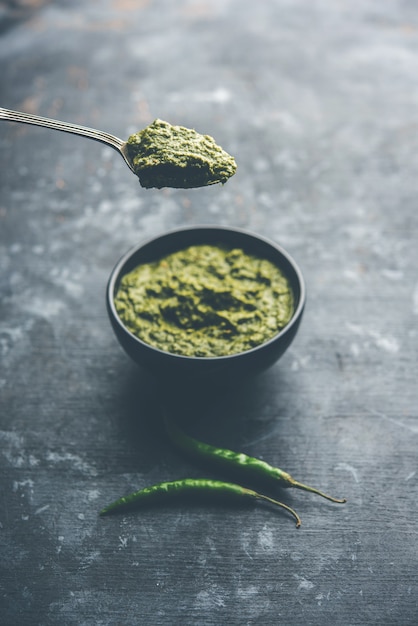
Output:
(207, 303)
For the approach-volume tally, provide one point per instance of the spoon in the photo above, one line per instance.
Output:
(67, 127)
(161, 155)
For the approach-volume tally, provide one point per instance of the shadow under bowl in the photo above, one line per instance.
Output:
(179, 371)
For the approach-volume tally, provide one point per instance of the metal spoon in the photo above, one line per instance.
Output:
(194, 162)
(67, 127)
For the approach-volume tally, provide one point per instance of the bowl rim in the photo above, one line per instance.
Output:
(116, 274)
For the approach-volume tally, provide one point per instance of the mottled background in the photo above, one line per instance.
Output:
(318, 102)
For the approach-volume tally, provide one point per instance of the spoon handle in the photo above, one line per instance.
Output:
(66, 127)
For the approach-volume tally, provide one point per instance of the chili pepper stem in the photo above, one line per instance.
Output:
(291, 482)
(261, 496)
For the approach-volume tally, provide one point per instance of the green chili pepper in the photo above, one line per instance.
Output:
(241, 464)
(191, 486)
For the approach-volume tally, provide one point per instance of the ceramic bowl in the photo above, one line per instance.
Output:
(185, 370)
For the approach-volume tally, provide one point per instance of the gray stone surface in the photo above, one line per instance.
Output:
(318, 103)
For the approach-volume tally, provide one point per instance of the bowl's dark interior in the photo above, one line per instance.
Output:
(172, 368)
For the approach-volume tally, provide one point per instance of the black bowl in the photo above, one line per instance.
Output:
(183, 371)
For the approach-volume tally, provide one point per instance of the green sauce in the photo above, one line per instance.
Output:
(205, 301)
(173, 156)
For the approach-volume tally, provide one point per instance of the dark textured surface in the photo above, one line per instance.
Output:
(317, 101)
